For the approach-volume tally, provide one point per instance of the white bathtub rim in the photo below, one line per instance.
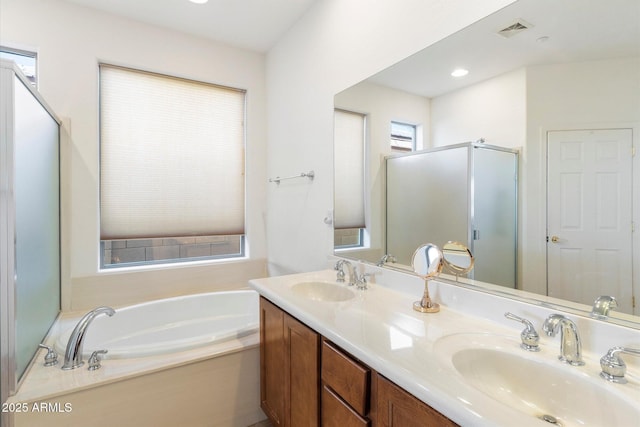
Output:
(249, 325)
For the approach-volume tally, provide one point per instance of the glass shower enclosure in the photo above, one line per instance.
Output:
(29, 224)
(466, 193)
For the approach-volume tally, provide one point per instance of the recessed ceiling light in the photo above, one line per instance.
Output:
(459, 72)
(199, 1)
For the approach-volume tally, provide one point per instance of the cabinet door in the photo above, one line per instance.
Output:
(302, 385)
(272, 363)
(397, 408)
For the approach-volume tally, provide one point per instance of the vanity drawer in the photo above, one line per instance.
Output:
(347, 378)
(336, 413)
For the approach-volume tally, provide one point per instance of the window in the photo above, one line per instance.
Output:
(171, 169)
(349, 220)
(26, 61)
(403, 136)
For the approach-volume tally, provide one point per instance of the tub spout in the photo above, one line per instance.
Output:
(73, 354)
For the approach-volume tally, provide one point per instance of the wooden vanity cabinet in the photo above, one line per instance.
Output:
(397, 408)
(307, 381)
(289, 369)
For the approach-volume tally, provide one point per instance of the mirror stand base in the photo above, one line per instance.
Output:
(426, 306)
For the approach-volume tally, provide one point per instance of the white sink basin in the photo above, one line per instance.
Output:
(322, 291)
(537, 384)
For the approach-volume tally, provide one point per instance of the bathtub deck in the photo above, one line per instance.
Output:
(217, 392)
(40, 382)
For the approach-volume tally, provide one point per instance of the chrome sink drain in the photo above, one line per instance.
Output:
(550, 419)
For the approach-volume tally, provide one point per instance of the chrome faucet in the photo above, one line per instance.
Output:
(73, 353)
(570, 345)
(386, 258)
(602, 305)
(339, 267)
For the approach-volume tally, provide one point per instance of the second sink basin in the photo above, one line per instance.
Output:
(322, 291)
(537, 386)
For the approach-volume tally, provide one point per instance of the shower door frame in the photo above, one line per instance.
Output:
(10, 77)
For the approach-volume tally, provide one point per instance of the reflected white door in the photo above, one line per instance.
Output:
(589, 218)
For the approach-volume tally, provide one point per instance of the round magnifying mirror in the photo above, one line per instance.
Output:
(457, 258)
(427, 261)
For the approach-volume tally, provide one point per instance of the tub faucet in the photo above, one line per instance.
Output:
(570, 345)
(73, 353)
(339, 267)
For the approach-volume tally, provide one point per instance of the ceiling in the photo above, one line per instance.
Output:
(250, 24)
(575, 30)
(560, 31)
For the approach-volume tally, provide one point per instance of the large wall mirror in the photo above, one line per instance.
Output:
(557, 81)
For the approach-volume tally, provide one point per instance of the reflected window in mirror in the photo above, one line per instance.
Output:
(404, 137)
(25, 60)
(348, 238)
(349, 220)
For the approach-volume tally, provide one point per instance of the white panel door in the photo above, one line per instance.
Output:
(589, 218)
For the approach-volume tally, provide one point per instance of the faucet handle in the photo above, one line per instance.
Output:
(340, 271)
(386, 258)
(613, 367)
(94, 360)
(361, 280)
(51, 358)
(529, 335)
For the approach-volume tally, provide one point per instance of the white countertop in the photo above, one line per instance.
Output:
(380, 328)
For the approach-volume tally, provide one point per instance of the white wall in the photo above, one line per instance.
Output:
(381, 105)
(335, 45)
(70, 41)
(494, 110)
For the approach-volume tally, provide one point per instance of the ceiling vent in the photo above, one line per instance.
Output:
(517, 27)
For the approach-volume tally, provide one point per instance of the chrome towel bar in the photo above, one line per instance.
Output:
(309, 175)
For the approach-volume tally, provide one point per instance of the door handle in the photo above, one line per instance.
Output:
(555, 239)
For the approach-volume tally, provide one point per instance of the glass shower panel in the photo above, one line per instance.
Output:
(37, 225)
(494, 216)
(427, 200)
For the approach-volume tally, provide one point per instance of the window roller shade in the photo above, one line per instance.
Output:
(171, 156)
(349, 170)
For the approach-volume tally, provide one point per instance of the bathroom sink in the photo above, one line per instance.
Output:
(322, 291)
(538, 385)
